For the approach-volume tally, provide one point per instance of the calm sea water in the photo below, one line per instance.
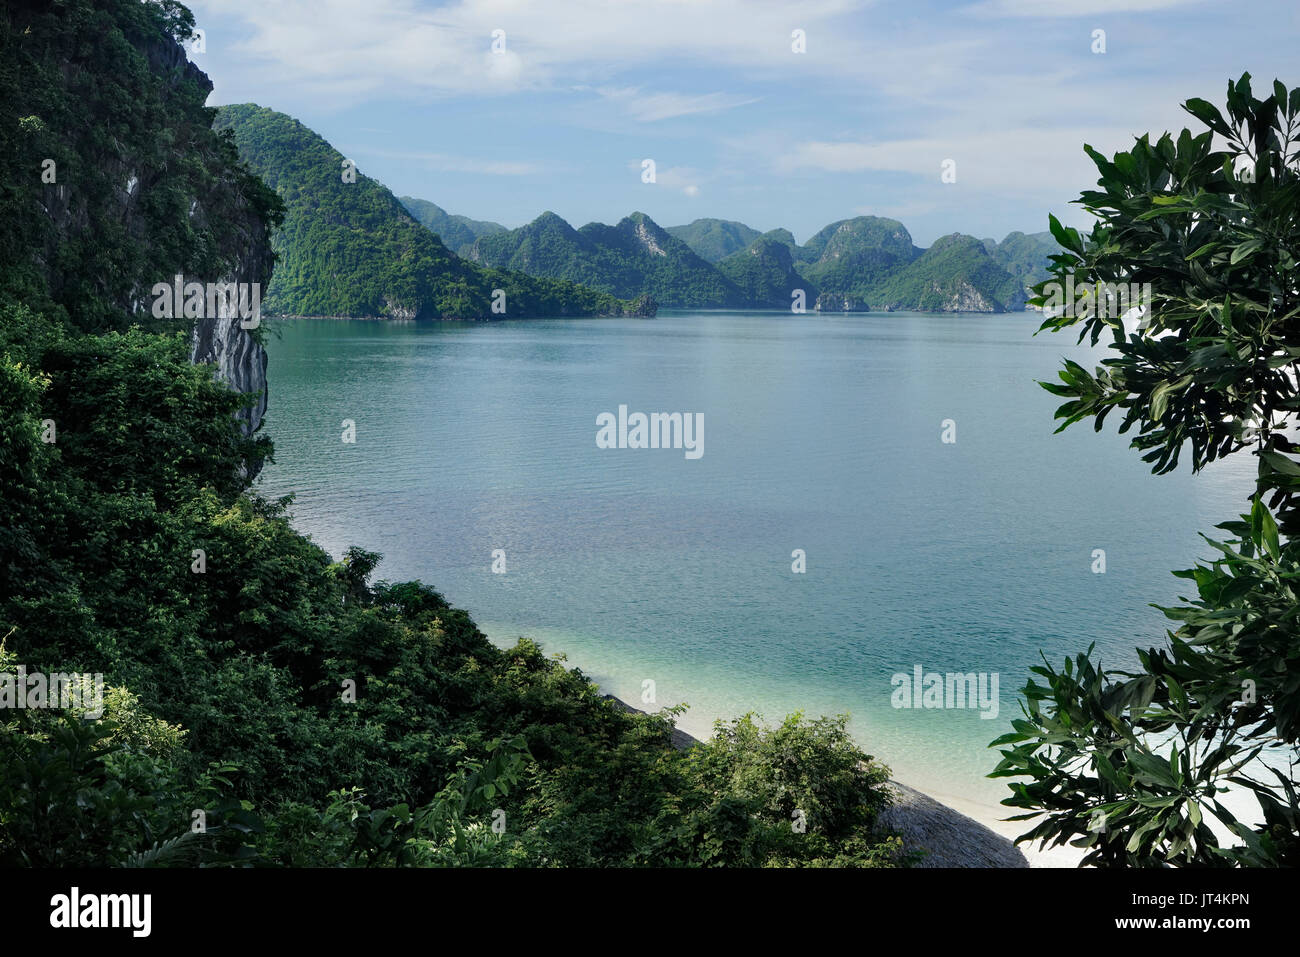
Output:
(821, 434)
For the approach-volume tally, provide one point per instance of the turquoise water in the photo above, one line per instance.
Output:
(820, 433)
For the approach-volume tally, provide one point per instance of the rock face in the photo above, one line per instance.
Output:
(948, 838)
(642, 307)
(237, 360)
(142, 167)
(962, 297)
(400, 310)
(236, 356)
(648, 240)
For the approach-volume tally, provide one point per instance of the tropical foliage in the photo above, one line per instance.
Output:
(1134, 765)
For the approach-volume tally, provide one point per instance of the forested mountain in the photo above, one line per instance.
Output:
(956, 274)
(856, 264)
(1024, 255)
(847, 261)
(870, 236)
(456, 232)
(784, 237)
(636, 256)
(870, 261)
(715, 239)
(764, 273)
(347, 247)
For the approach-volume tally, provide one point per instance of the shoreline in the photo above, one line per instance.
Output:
(964, 831)
(957, 832)
(719, 310)
(990, 817)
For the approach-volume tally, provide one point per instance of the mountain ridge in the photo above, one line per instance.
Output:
(349, 247)
(635, 256)
(456, 232)
(864, 263)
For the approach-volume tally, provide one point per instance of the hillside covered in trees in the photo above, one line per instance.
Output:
(716, 239)
(632, 258)
(861, 264)
(456, 232)
(348, 247)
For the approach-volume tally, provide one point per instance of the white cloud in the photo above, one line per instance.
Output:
(1005, 161)
(350, 51)
(652, 107)
(884, 94)
(677, 178)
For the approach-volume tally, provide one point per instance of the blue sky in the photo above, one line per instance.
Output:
(739, 125)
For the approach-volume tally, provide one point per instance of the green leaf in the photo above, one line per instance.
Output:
(1264, 528)
(1245, 249)
(1208, 114)
(1159, 401)
(1067, 237)
(1280, 462)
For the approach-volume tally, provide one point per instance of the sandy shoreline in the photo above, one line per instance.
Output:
(990, 816)
(957, 831)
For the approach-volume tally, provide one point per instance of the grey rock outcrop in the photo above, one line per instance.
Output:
(949, 839)
(237, 360)
(237, 357)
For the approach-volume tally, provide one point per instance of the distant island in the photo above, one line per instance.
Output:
(863, 264)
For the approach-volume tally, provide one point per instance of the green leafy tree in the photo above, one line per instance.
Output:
(1133, 765)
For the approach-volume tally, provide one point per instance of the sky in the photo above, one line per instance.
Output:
(885, 96)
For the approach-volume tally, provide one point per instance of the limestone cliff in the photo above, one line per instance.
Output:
(236, 355)
(118, 181)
